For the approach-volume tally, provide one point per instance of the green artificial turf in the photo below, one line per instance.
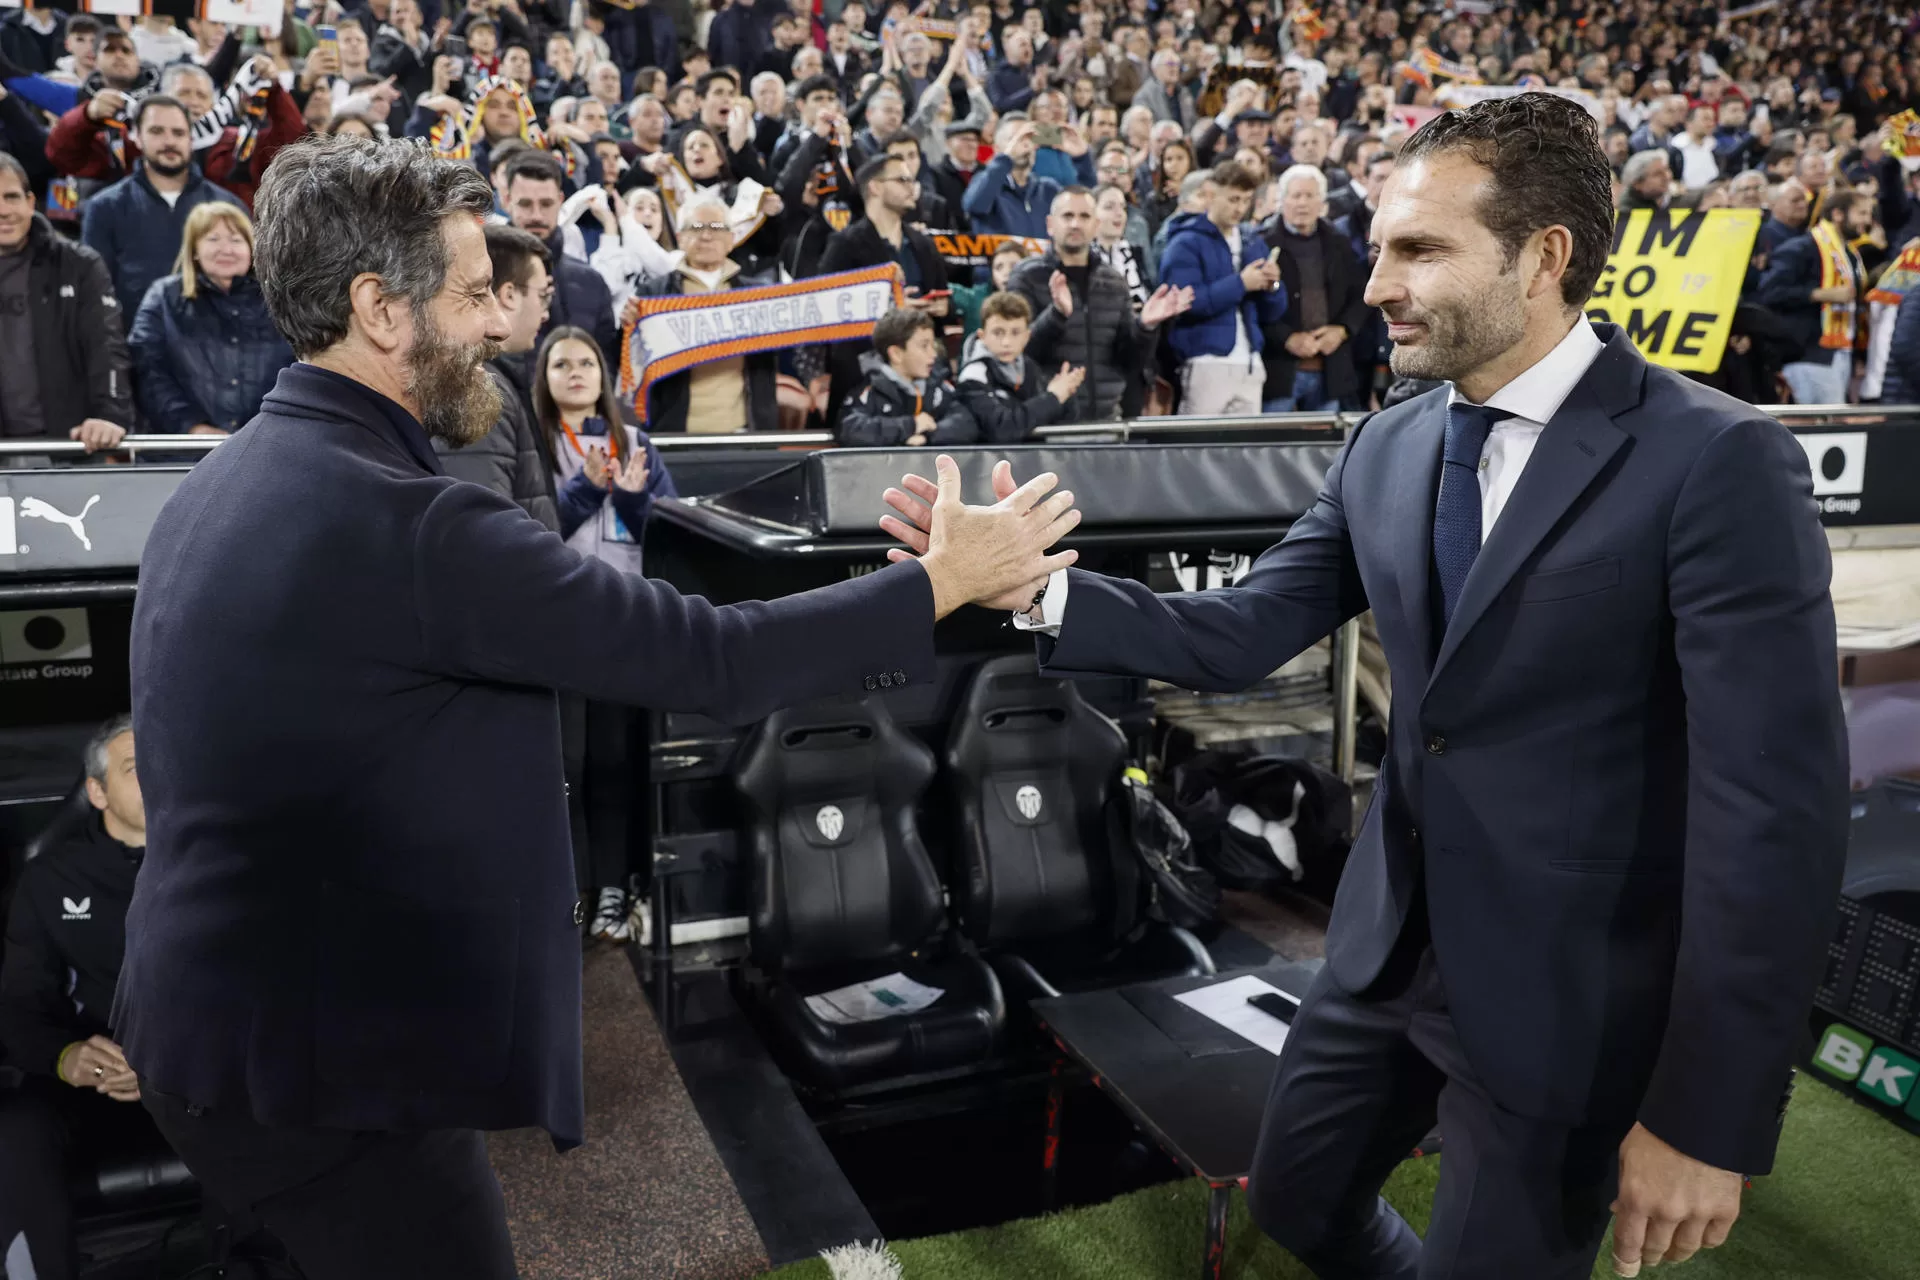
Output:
(1843, 1203)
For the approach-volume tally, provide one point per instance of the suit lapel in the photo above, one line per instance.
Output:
(1571, 451)
(1415, 482)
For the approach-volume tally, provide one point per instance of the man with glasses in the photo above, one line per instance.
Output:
(883, 236)
(930, 208)
(507, 459)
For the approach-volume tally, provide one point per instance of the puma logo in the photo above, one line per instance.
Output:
(38, 509)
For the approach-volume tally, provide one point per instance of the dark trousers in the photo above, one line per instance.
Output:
(1360, 1082)
(45, 1128)
(351, 1205)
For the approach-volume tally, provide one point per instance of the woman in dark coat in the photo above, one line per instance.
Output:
(205, 352)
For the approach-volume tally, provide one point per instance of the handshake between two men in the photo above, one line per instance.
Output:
(996, 555)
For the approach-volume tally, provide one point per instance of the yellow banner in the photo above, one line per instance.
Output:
(1673, 280)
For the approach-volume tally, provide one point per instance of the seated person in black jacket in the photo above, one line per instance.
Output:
(66, 935)
(1002, 386)
(903, 402)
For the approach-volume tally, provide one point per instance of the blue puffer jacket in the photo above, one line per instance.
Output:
(1197, 257)
(209, 358)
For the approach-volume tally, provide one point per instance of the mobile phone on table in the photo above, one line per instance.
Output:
(1274, 1004)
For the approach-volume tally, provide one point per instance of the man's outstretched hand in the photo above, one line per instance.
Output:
(995, 556)
(1670, 1205)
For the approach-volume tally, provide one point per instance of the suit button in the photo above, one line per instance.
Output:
(1436, 745)
(873, 683)
(886, 681)
(579, 914)
(900, 679)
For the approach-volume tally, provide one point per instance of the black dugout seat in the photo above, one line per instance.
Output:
(1039, 885)
(843, 892)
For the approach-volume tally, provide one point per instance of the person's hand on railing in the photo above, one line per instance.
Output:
(96, 434)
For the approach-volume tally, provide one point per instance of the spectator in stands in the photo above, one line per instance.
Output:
(205, 351)
(535, 184)
(1647, 181)
(136, 225)
(889, 197)
(1699, 149)
(1164, 95)
(63, 362)
(968, 299)
(1311, 369)
(66, 933)
(1121, 241)
(954, 171)
(82, 45)
(33, 37)
(90, 139)
(1014, 81)
(904, 401)
(1008, 197)
(1901, 383)
(1660, 128)
(1816, 284)
(602, 463)
(1237, 297)
(1787, 207)
(721, 396)
(1005, 391)
(930, 208)
(1084, 315)
(1163, 178)
(512, 458)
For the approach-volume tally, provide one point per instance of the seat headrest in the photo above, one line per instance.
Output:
(834, 745)
(1020, 713)
(68, 818)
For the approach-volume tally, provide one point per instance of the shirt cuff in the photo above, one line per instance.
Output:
(1053, 608)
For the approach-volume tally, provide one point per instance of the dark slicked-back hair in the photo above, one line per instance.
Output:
(514, 252)
(1547, 170)
(332, 209)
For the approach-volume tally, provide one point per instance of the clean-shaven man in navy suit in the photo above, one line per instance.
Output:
(1581, 924)
(355, 941)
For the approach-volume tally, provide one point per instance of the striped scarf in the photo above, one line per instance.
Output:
(453, 139)
(1839, 326)
(243, 107)
(1898, 280)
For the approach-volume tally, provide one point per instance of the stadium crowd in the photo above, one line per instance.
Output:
(1097, 208)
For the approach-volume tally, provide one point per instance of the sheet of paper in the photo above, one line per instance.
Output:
(1226, 1003)
(874, 999)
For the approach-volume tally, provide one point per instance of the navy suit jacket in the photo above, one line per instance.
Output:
(357, 907)
(1622, 770)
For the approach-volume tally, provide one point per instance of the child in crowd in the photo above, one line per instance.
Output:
(967, 298)
(1004, 389)
(903, 403)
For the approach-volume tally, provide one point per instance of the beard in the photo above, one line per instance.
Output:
(1462, 334)
(448, 380)
(164, 169)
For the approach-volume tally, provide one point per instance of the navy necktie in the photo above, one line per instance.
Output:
(1456, 515)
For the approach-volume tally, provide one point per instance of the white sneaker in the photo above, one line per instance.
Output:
(610, 920)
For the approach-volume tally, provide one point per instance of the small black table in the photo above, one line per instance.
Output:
(1196, 1088)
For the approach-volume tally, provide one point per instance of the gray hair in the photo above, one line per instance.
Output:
(767, 77)
(170, 78)
(1641, 163)
(9, 163)
(1294, 173)
(696, 205)
(96, 749)
(332, 209)
(1165, 58)
(1191, 184)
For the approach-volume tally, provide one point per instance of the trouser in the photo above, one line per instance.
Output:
(45, 1126)
(615, 796)
(1820, 381)
(1211, 388)
(1360, 1082)
(1310, 391)
(351, 1205)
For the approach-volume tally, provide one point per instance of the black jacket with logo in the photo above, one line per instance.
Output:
(79, 340)
(1008, 414)
(66, 935)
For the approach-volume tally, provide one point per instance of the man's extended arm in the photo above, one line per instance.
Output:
(1226, 639)
(1748, 573)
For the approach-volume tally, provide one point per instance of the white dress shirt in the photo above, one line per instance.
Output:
(1531, 399)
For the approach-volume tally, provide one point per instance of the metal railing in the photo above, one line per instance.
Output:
(1117, 431)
